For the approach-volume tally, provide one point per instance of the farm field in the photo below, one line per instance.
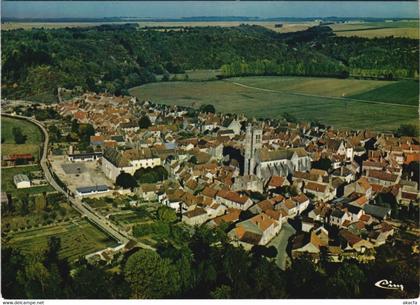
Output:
(78, 238)
(7, 184)
(306, 98)
(402, 28)
(287, 26)
(34, 137)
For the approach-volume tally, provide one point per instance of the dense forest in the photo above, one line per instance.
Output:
(114, 58)
(204, 265)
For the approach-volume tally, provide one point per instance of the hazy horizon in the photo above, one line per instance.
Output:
(179, 9)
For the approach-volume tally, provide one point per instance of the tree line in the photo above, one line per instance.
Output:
(35, 62)
(204, 265)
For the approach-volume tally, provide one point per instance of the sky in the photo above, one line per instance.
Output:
(177, 9)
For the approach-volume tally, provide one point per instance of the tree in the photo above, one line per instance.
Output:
(150, 276)
(407, 130)
(345, 282)
(126, 181)
(207, 108)
(85, 132)
(289, 118)
(145, 122)
(54, 245)
(222, 292)
(151, 175)
(323, 163)
(55, 134)
(74, 126)
(264, 251)
(20, 138)
(166, 214)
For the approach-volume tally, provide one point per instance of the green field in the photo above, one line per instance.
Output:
(331, 101)
(32, 132)
(77, 239)
(404, 92)
(7, 184)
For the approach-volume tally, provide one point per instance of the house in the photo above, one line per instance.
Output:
(320, 212)
(377, 211)
(354, 242)
(21, 181)
(307, 224)
(310, 243)
(215, 210)
(198, 216)
(382, 178)
(302, 202)
(320, 191)
(115, 162)
(289, 207)
(91, 190)
(84, 156)
(231, 215)
(338, 217)
(277, 182)
(258, 230)
(148, 192)
(233, 200)
(97, 140)
(354, 212)
(380, 233)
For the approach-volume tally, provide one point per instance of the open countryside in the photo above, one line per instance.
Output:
(345, 103)
(401, 28)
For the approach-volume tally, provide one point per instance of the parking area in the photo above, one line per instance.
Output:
(76, 174)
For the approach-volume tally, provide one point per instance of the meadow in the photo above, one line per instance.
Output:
(33, 140)
(78, 238)
(330, 101)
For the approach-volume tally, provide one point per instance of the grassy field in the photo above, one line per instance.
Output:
(34, 137)
(7, 184)
(404, 92)
(77, 239)
(306, 98)
(409, 29)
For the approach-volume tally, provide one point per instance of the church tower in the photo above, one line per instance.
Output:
(253, 143)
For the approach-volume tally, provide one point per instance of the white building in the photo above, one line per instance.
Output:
(21, 181)
(115, 162)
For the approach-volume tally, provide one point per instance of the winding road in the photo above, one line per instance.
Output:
(103, 223)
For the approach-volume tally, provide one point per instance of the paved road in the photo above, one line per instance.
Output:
(117, 233)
